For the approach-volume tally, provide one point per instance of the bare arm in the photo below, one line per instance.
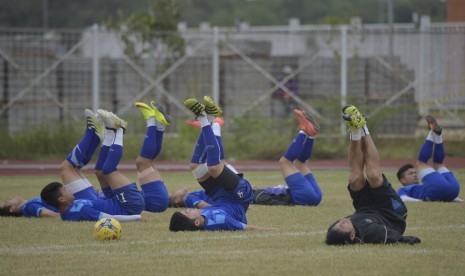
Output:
(259, 228)
(46, 213)
(202, 204)
(122, 218)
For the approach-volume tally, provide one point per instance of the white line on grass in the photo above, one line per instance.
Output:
(100, 247)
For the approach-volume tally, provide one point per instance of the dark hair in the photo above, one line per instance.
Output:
(51, 193)
(403, 169)
(334, 237)
(5, 212)
(180, 222)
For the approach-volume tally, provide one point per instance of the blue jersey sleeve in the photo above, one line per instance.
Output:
(415, 191)
(32, 209)
(217, 220)
(81, 210)
(194, 198)
(34, 206)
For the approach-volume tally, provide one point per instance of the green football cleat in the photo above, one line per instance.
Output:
(111, 121)
(307, 123)
(160, 114)
(211, 108)
(194, 106)
(354, 119)
(93, 121)
(433, 124)
(145, 110)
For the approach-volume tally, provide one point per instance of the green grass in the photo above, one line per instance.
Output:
(53, 247)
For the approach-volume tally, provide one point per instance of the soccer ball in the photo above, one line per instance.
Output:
(107, 229)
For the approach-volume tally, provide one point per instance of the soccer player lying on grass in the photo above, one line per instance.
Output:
(301, 188)
(81, 189)
(231, 193)
(123, 201)
(379, 212)
(439, 184)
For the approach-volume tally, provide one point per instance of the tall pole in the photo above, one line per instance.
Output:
(45, 15)
(95, 69)
(391, 27)
(215, 67)
(343, 72)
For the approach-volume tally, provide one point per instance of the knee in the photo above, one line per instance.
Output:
(356, 181)
(284, 162)
(216, 170)
(375, 177)
(193, 166)
(142, 163)
(66, 166)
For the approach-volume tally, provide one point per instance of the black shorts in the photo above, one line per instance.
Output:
(383, 197)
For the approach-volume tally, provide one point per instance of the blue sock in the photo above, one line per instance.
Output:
(295, 149)
(439, 153)
(159, 142)
(220, 144)
(426, 151)
(78, 154)
(102, 156)
(92, 148)
(211, 145)
(306, 150)
(149, 146)
(199, 155)
(113, 158)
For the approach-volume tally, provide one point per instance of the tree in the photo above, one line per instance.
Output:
(152, 31)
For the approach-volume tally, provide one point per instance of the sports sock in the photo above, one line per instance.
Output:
(295, 148)
(105, 148)
(151, 122)
(160, 126)
(426, 151)
(355, 135)
(217, 131)
(365, 130)
(159, 135)
(211, 144)
(199, 156)
(92, 148)
(115, 154)
(78, 154)
(149, 145)
(307, 149)
(439, 153)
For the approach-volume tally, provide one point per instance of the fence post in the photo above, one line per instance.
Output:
(215, 67)
(95, 69)
(343, 30)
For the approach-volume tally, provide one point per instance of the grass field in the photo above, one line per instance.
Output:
(53, 247)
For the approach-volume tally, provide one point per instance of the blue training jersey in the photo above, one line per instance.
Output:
(276, 190)
(224, 215)
(195, 197)
(34, 206)
(414, 190)
(85, 209)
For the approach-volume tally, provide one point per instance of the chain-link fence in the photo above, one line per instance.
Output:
(395, 74)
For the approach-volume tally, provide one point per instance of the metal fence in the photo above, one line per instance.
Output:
(396, 74)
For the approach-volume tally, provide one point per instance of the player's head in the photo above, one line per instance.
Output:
(177, 197)
(407, 175)
(54, 194)
(341, 232)
(12, 207)
(187, 220)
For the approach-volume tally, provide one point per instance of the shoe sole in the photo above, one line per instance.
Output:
(143, 106)
(211, 108)
(304, 119)
(163, 117)
(433, 124)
